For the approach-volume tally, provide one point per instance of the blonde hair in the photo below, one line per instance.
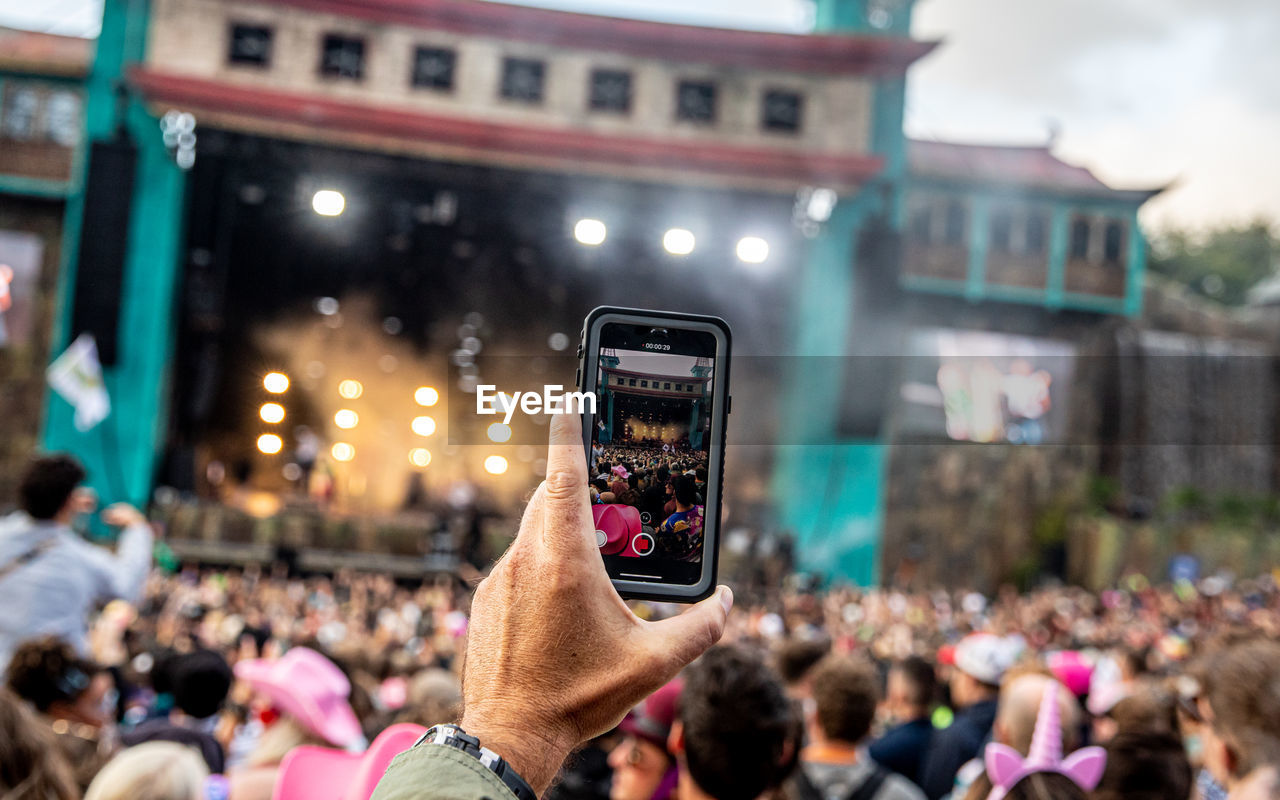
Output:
(151, 771)
(278, 739)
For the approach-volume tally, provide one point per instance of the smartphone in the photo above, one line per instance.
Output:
(655, 447)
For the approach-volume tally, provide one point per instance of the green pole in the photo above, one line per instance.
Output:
(122, 452)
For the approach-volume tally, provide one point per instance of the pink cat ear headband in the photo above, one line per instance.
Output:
(1006, 766)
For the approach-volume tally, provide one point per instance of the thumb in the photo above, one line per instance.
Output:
(689, 635)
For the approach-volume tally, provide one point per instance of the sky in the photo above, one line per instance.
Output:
(1146, 93)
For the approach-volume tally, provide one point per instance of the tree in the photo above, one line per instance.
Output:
(1221, 264)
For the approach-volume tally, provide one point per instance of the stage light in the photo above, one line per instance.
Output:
(328, 202)
(499, 432)
(270, 444)
(419, 456)
(271, 412)
(350, 389)
(752, 250)
(590, 232)
(275, 382)
(342, 451)
(346, 419)
(495, 465)
(423, 426)
(426, 396)
(678, 242)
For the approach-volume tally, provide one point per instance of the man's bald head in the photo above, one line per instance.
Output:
(1020, 700)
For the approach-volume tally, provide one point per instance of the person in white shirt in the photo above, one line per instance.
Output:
(50, 578)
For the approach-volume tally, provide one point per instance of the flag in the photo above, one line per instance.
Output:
(76, 375)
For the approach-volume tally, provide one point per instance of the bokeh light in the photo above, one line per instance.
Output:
(275, 382)
(495, 465)
(423, 426)
(342, 451)
(328, 202)
(271, 412)
(346, 419)
(499, 432)
(270, 444)
(678, 242)
(426, 396)
(590, 232)
(752, 250)
(420, 456)
(350, 389)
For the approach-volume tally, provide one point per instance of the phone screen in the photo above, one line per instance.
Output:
(650, 450)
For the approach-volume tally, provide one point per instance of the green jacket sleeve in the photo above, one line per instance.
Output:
(432, 772)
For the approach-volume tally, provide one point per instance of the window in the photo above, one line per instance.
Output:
(1113, 242)
(1001, 231)
(250, 44)
(18, 117)
(523, 79)
(922, 224)
(342, 57)
(781, 111)
(433, 68)
(696, 102)
(633, 382)
(954, 233)
(1036, 233)
(666, 386)
(62, 118)
(610, 90)
(1080, 240)
(644, 384)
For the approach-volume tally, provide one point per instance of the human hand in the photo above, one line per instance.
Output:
(554, 656)
(122, 515)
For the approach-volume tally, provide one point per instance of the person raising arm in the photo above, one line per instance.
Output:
(554, 656)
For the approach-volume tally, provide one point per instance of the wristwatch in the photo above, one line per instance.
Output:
(455, 737)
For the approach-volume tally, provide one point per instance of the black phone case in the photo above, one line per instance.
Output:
(722, 367)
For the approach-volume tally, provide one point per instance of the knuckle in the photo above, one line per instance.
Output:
(562, 484)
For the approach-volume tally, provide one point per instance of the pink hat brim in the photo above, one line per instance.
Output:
(337, 725)
(308, 772)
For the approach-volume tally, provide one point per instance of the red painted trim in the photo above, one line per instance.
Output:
(688, 44)
(571, 146)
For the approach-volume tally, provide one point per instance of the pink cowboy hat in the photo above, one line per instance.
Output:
(311, 689)
(309, 772)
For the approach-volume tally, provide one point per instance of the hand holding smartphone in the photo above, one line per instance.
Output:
(655, 447)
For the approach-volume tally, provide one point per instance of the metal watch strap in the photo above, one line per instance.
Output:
(455, 737)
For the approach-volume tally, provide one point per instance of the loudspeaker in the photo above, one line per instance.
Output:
(104, 236)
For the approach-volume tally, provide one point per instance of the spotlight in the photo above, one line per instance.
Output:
(350, 389)
(678, 242)
(752, 250)
(495, 465)
(590, 232)
(275, 382)
(419, 456)
(423, 426)
(346, 419)
(499, 432)
(270, 444)
(271, 412)
(426, 396)
(342, 451)
(328, 202)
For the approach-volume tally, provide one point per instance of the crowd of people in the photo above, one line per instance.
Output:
(666, 484)
(122, 680)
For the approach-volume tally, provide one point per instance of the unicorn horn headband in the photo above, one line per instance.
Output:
(1006, 766)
